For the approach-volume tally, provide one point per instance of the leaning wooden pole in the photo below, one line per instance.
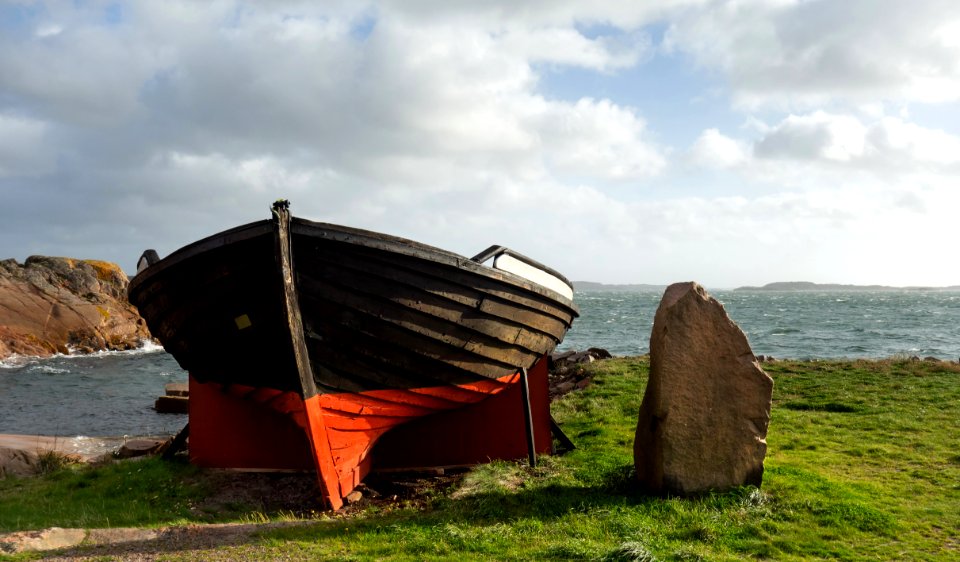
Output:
(315, 426)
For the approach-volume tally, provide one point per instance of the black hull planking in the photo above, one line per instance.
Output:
(378, 312)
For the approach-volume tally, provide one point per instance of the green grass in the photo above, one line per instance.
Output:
(863, 463)
(135, 493)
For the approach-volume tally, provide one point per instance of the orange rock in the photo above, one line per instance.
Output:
(50, 304)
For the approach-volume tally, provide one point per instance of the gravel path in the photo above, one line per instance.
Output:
(191, 542)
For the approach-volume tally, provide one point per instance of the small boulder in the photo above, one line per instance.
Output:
(704, 417)
(172, 405)
(177, 389)
(562, 362)
(561, 355)
(567, 372)
(599, 353)
(17, 462)
(566, 386)
(582, 357)
(139, 448)
(53, 538)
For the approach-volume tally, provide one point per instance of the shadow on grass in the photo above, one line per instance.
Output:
(813, 406)
(616, 490)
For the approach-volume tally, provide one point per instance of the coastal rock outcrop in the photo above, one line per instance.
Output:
(704, 417)
(50, 305)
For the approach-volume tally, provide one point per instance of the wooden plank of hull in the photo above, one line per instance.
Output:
(359, 289)
(418, 283)
(327, 469)
(360, 336)
(352, 436)
(445, 264)
(431, 318)
(349, 424)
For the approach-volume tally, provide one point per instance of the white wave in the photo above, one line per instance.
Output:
(17, 361)
(146, 347)
(49, 369)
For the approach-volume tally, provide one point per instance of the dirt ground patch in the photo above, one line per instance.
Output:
(298, 494)
(253, 495)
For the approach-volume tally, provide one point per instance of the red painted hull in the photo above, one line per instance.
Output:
(335, 433)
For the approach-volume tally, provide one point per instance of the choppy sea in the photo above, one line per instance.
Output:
(112, 394)
(790, 324)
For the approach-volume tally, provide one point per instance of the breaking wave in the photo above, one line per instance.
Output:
(16, 361)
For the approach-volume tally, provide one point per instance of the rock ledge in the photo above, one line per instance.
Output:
(54, 305)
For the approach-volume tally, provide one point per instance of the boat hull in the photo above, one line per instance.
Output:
(366, 330)
(256, 429)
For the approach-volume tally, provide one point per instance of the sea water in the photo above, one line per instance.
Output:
(790, 324)
(100, 394)
(112, 394)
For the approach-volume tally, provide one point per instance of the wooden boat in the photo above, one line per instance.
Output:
(349, 331)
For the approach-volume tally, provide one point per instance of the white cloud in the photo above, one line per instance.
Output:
(537, 13)
(712, 149)
(815, 136)
(884, 144)
(896, 139)
(49, 30)
(800, 54)
(597, 139)
(567, 46)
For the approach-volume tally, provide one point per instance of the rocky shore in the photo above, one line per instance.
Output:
(54, 305)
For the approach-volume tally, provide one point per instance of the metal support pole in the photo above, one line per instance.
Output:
(528, 414)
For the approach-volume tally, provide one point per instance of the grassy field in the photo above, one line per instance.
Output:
(863, 463)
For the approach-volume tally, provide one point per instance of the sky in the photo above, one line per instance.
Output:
(730, 143)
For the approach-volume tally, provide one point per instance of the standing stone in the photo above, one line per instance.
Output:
(704, 417)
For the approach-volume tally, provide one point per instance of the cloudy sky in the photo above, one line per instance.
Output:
(727, 142)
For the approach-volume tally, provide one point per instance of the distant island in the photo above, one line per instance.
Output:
(808, 286)
(592, 286)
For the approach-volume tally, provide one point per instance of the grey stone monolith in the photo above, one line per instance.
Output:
(704, 417)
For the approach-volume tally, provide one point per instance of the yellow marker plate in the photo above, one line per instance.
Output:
(243, 322)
